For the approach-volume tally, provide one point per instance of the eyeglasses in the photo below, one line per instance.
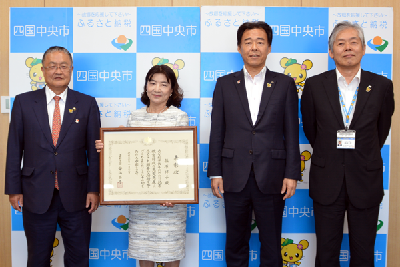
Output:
(63, 68)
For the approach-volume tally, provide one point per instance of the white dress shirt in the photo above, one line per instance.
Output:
(254, 88)
(51, 104)
(348, 91)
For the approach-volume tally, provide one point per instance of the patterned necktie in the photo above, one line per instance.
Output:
(55, 131)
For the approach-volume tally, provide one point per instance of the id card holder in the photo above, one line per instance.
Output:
(346, 139)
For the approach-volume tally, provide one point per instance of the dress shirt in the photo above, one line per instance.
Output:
(51, 104)
(348, 91)
(254, 87)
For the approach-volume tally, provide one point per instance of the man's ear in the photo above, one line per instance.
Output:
(331, 55)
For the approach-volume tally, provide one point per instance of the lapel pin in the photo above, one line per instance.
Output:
(238, 81)
(268, 85)
(368, 88)
(71, 110)
(76, 121)
(272, 81)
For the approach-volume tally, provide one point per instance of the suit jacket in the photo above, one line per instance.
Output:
(271, 144)
(360, 168)
(30, 139)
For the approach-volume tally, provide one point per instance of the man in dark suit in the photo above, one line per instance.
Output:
(342, 104)
(54, 131)
(254, 148)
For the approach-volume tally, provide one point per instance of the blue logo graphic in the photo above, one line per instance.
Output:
(105, 74)
(298, 30)
(121, 222)
(175, 30)
(378, 44)
(122, 43)
(35, 30)
(215, 65)
(298, 213)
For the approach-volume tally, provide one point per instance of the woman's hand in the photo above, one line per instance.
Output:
(99, 145)
(167, 204)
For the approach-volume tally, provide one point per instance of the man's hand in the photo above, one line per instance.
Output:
(289, 186)
(17, 201)
(92, 201)
(217, 186)
(98, 145)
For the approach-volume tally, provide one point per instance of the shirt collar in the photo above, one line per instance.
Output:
(260, 74)
(50, 95)
(341, 78)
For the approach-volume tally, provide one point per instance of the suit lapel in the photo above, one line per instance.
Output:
(331, 89)
(241, 89)
(362, 96)
(269, 86)
(68, 117)
(40, 110)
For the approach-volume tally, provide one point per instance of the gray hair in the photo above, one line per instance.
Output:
(57, 49)
(342, 26)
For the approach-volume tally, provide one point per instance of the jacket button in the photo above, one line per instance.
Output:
(251, 152)
(51, 172)
(253, 132)
(55, 153)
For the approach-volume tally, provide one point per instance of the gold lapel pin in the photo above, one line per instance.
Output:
(71, 110)
(272, 81)
(368, 88)
(268, 85)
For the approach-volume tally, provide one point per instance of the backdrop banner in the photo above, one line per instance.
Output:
(114, 47)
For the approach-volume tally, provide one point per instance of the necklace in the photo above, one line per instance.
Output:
(147, 110)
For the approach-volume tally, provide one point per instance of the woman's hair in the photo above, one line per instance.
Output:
(177, 95)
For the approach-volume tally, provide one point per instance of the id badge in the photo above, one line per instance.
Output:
(346, 139)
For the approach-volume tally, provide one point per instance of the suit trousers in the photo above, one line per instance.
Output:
(40, 232)
(268, 210)
(329, 231)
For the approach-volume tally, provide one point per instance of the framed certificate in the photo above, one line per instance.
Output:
(149, 165)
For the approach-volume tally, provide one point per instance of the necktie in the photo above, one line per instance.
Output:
(55, 131)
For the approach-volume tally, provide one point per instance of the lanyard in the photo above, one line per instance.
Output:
(345, 112)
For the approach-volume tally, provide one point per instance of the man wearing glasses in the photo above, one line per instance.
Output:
(54, 131)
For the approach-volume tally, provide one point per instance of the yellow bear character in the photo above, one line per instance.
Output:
(305, 155)
(178, 65)
(35, 73)
(292, 253)
(55, 244)
(296, 71)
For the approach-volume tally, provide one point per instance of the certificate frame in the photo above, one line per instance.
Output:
(133, 154)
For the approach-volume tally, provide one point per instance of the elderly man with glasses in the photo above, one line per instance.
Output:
(53, 130)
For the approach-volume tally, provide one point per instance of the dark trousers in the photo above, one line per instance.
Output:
(268, 210)
(40, 232)
(329, 231)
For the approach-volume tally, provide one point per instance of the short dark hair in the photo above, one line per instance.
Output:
(57, 49)
(177, 95)
(254, 25)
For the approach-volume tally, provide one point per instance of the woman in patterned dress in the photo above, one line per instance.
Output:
(157, 233)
